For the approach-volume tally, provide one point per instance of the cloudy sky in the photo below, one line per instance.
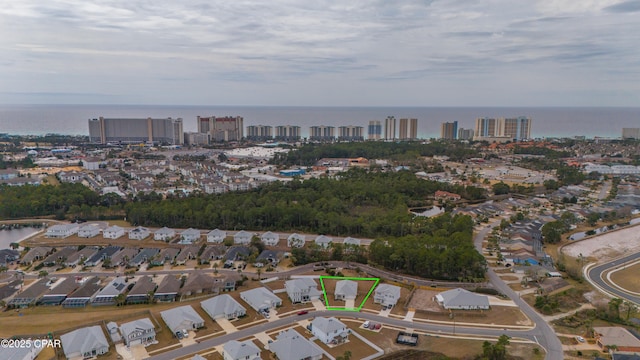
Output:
(324, 53)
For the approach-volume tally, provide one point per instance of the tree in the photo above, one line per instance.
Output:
(631, 308)
(43, 273)
(120, 299)
(500, 188)
(614, 307)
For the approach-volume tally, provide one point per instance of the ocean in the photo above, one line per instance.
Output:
(546, 121)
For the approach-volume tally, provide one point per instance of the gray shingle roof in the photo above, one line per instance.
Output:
(83, 340)
(462, 298)
(290, 345)
(327, 325)
(242, 350)
(222, 305)
(177, 318)
(346, 288)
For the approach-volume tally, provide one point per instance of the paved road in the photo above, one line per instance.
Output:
(448, 329)
(594, 276)
(543, 333)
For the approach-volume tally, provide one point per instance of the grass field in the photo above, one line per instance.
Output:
(628, 278)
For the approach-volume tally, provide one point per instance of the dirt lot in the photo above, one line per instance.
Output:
(609, 244)
(423, 300)
(627, 278)
(359, 349)
(364, 286)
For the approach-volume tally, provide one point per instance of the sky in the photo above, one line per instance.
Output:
(321, 52)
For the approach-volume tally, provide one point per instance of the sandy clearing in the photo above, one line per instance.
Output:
(608, 245)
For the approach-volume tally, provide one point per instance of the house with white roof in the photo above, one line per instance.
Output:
(216, 236)
(189, 236)
(270, 239)
(323, 241)
(329, 330)
(88, 231)
(290, 345)
(261, 299)
(461, 299)
(18, 353)
(164, 234)
(295, 240)
(138, 332)
(302, 290)
(223, 306)
(113, 232)
(182, 318)
(139, 233)
(346, 290)
(386, 294)
(62, 231)
(242, 237)
(351, 241)
(84, 343)
(245, 350)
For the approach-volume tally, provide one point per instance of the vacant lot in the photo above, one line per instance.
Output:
(358, 348)
(628, 278)
(364, 286)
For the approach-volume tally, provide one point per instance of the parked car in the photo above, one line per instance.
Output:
(366, 324)
(580, 339)
(303, 312)
(378, 326)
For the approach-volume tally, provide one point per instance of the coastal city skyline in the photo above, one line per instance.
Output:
(412, 53)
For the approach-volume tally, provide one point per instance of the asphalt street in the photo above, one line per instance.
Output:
(594, 275)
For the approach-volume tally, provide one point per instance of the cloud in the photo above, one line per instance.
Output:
(630, 6)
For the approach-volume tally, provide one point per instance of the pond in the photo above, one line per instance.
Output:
(15, 235)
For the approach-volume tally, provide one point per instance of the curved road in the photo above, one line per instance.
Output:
(543, 333)
(594, 276)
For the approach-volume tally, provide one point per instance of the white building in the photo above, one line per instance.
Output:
(62, 231)
(346, 290)
(138, 233)
(189, 236)
(242, 237)
(270, 239)
(236, 350)
(295, 240)
(323, 241)
(261, 299)
(216, 236)
(113, 232)
(386, 294)
(329, 330)
(164, 234)
(302, 290)
(89, 231)
(461, 299)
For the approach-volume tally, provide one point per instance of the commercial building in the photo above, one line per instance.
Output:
(221, 129)
(375, 130)
(408, 129)
(631, 133)
(259, 132)
(350, 133)
(485, 127)
(287, 133)
(322, 133)
(449, 130)
(196, 138)
(133, 131)
(390, 128)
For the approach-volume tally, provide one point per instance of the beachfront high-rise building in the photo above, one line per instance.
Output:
(350, 133)
(408, 129)
(228, 128)
(465, 134)
(259, 132)
(390, 128)
(449, 130)
(132, 131)
(288, 133)
(322, 133)
(631, 133)
(375, 130)
(503, 129)
(515, 128)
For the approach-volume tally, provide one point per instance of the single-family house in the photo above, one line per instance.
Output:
(7, 256)
(81, 255)
(182, 318)
(268, 257)
(237, 253)
(105, 253)
(88, 231)
(165, 255)
(189, 236)
(230, 281)
(58, 292)
(108, 294)
(223, 306)
(122, 257)
(290, 345)
(84, 343)
(623, 339)
(212, 252)
(114, 332)
(20, 353)
(142, 291)
(187, 253)
(168, 289)
(145, 255)
(261, 299)
(236, 350)
(89, 287)
(35, 254)
(302, 290)
(295, 240)
(242, 237)
(323, 241)
(351, 241)
(138, 332)
(446, 196)
(200, 283)
(270, 238)
(386, 295)
(164, 234)
(113, 232)
(30, 296)
(139, 233)
(461, 299)
(216, 236)
(59, 257)
(62, 231)
(346, 290)
(329, 330)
